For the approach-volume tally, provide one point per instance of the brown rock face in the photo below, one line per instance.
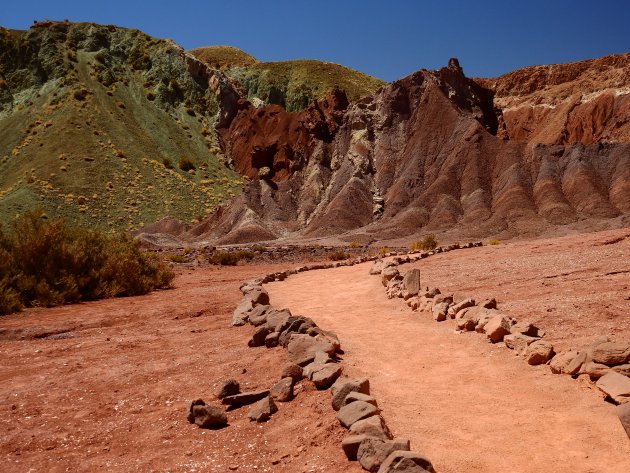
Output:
(436, 151)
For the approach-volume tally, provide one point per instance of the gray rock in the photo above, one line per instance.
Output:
(350, 445)
(373, 452)
(388, 274)
(271, 340)
(411, 283)
(258, 315)
(282, 391)
(610, 353)
(355, 396)
(498, 327)
(354, 412)
(277, 318)
(373, 426)
(262, 410)
(326, 376)
(518, 342)
(293, 371)
(616, 386)
(377, 267)
(258, 338)
(258, 296)
(539, 352)
(229, 387)
(206, 416)
(623, 412)
(241, 313)
(302, 348)
(403, 461)
(245, 398)
(321, 357)
(344, 386)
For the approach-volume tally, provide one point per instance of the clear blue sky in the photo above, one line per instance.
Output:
(386, 39)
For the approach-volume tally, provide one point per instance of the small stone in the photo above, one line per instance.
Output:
(403, 461)
(324, 377)
(610, 353)
(258, 338)
(373, 426)
(344, 386)
(560, 363)
(518, 342)
(354, 412)
(282, 391)
(206, 416)
(245, 398)
(355, 396)
(262, 410)
(293, 371)
(350, 445)
(229, 387)
(497, 327)
(623, 412)
(539, 352)
(271, 340)
(373, 452)
(616, 386)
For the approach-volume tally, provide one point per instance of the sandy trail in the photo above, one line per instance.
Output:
(469, 405)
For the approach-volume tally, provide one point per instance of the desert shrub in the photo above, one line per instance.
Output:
(355, 245)
(186, 165)
(178, 258)
(151, 96)
(383, 250)
(259, 248)
(429, 242)
(494, 241)
(339, 255)
(230, 258)
(167, 163)
(47, 263)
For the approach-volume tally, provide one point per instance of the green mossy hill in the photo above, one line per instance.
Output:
(106, 127)
(290, 84)
(223, 57)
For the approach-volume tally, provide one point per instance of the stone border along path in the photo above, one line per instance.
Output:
(312, 354)
(604, 360)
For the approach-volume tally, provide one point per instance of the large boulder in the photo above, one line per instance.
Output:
(373, 452)
(302, 348)
(616, 386)
(373, 426)
(404, 461)
(351, 413)
(350, 445)
(262, 410)
(206, 416)
(344, 386)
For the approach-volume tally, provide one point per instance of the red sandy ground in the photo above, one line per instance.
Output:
(115, 394)
(110, 391)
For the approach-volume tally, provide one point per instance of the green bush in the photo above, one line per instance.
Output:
(46, 263)
(230, 258)
(186, 165)
(339, 255)
(429, 242)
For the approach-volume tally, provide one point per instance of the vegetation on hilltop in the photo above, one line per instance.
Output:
(46, 263)
(290, 84)
(90, 114)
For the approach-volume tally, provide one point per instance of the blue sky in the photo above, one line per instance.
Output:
(386, 39)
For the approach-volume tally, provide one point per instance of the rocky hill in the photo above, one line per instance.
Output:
(533, 151)
(107, 127)
(293, 85)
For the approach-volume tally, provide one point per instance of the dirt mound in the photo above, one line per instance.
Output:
(430, 152)
(223, 57)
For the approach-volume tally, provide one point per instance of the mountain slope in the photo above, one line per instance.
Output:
(293, 85)
(94, 124)
(429, 152)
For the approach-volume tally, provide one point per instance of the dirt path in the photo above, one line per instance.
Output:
(469, 405)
